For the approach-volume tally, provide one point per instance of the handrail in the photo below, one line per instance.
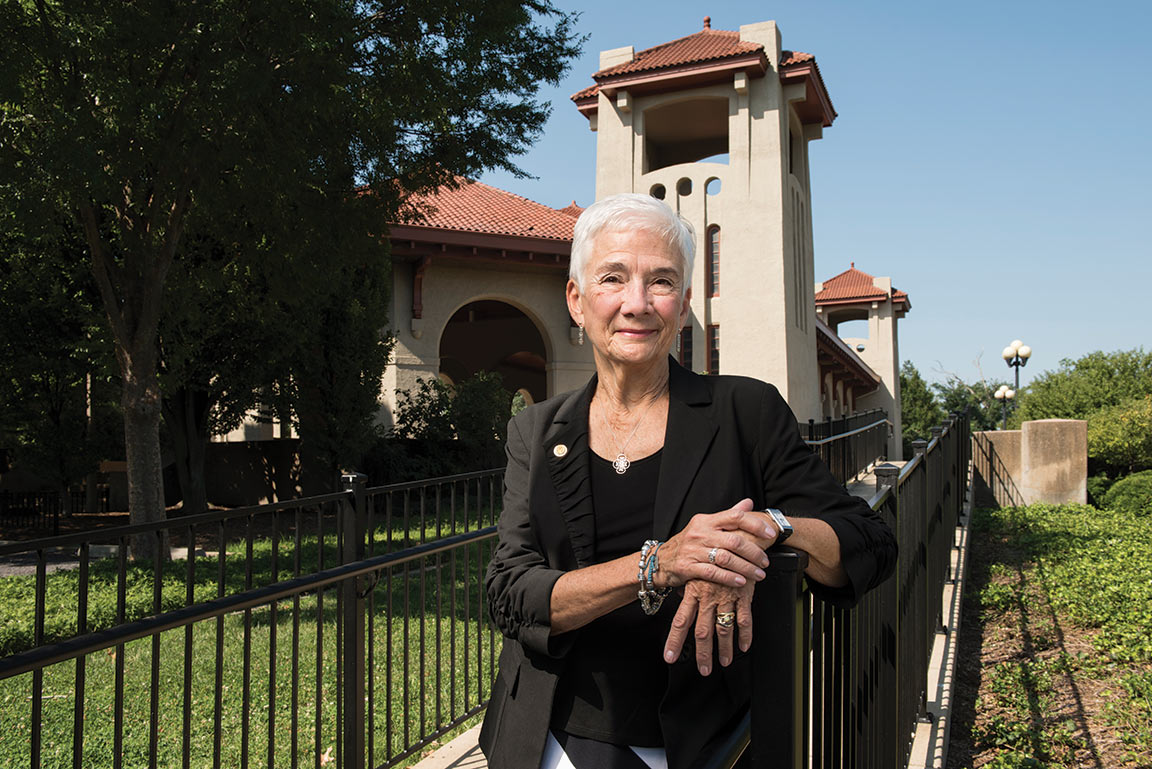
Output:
(839, 436)
(43, 656)
(131, 529)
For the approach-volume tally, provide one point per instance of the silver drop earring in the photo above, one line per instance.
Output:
(580, 336)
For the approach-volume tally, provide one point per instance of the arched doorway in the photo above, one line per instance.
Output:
(490, 335)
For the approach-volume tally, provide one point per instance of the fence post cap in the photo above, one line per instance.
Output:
(351, 477)
(937, 431)
(919, 446)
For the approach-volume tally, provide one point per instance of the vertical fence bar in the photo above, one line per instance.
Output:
(780, 661)
(355, 671)
(81, 629)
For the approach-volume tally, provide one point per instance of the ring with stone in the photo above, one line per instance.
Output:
(712, 554)
(726, 618)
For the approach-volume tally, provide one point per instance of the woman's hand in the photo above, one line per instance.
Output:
(703, 603)
(724, 548)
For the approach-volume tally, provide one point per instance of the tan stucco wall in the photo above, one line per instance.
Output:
(447, 287)
(1045, 461)
(765, 304)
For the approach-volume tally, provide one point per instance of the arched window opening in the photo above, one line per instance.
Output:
(713, 252)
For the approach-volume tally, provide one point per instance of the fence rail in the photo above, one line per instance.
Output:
(348, 628)
(846, 688)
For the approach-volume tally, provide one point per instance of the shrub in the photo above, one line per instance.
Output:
(1121, 435)
(1132, 494)
(1098, 486)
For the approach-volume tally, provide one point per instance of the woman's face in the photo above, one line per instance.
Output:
(631, 306)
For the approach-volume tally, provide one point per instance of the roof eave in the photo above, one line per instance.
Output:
(820, 103)
(754, 63)
(459, 237)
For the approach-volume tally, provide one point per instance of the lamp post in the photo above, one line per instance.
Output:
(1005, 394)
(1017, 355)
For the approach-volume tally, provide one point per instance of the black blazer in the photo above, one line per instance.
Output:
(727, 438)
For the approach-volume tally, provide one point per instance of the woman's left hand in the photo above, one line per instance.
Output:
(702, 602)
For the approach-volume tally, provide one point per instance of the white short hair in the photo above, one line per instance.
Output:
(632, 211)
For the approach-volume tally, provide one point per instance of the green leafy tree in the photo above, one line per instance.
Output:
(984, 411)
(1120, 436)
(131, 117)
(918, 407)
(1080, 387)
(55, 361)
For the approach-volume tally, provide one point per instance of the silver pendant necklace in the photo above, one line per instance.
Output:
(622, 463)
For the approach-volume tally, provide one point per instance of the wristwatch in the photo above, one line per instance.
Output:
(781, 522)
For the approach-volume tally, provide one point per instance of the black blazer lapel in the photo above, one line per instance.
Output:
(687, 438)
(568, 467)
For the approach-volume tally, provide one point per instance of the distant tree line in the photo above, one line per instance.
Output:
(1111, 391)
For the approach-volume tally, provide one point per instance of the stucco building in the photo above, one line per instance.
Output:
(718, 124)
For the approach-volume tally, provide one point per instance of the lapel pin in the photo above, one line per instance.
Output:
(559, 450)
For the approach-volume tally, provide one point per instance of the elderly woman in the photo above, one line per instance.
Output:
(636, 519)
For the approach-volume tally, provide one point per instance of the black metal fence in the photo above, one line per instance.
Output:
(846, 688)
(851, 444)
(343, 630)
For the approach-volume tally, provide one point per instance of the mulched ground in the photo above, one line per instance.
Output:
(1067, 700)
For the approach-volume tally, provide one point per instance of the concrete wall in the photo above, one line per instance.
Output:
(1046, 461)
(1054, 461)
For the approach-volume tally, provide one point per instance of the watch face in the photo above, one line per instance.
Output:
(782, 522)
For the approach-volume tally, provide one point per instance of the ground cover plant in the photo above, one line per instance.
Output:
(1055, 656)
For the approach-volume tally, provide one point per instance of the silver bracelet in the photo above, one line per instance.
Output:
(650, 598)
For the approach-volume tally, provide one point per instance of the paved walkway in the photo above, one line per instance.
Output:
(930, 746)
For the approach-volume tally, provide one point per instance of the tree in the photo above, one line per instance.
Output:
(1080, 387)
(984, 411)
(918, 407)
(131, 117)
(1120, 436)
(54, 358)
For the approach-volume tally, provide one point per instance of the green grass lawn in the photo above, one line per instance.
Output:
(429, 678)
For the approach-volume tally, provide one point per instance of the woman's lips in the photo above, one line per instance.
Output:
(636, 332)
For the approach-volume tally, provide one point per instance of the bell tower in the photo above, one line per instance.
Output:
(718, 124)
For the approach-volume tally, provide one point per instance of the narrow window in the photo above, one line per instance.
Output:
(713, 274)
(686, 347)
(714, 349)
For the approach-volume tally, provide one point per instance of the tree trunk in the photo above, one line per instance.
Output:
(142, 440)
(185, 413)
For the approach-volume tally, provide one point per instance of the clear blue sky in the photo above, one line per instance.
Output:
(993, 158)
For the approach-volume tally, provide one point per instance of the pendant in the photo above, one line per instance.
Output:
(621, 464)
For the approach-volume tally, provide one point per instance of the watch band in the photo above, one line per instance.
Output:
(781, 522)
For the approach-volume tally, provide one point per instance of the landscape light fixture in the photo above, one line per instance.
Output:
(1004, 394)
(1017, 355)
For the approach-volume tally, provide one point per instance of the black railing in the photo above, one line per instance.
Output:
(851, 444)
(846, 688)
(349, 628)
(30, 509)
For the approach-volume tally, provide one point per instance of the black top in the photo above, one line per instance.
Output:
(600, 694)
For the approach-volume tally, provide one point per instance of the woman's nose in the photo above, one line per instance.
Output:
(635, 298)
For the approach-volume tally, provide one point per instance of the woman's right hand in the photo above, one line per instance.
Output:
(733, 535)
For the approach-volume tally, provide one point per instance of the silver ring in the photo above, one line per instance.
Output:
(712, 554)
(726, 618)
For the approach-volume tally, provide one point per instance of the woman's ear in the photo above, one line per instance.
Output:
(572, 294)
(685, 306)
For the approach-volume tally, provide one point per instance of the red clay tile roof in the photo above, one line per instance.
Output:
(853, 284)
(572, 209)
(794, 57)
(706, 45)
(477, 207)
